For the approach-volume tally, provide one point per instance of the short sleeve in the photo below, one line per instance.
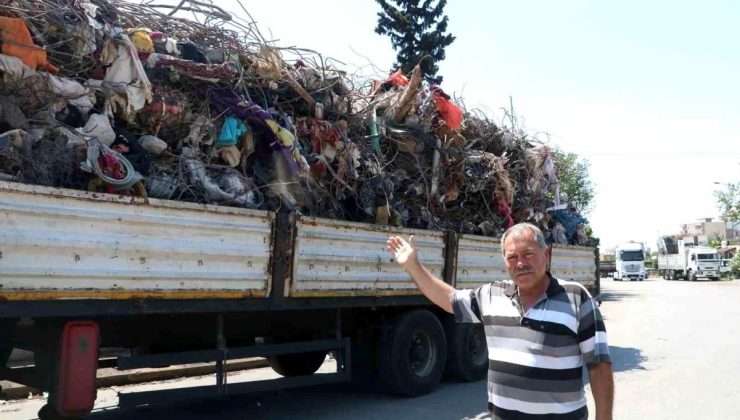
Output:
(592, 333)
(465, 305)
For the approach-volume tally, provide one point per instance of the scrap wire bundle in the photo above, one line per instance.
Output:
(204, 109)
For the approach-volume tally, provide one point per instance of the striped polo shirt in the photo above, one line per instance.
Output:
(536, 358)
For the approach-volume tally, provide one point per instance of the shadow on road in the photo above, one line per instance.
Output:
(612, 296)
(626, 358)
(449, 401)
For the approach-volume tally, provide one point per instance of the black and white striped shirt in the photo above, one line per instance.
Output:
(536, 358)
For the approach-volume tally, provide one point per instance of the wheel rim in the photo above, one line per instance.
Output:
(477, 347)
(422, 355)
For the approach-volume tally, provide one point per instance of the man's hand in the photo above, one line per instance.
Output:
(404, 252)
(433, 288)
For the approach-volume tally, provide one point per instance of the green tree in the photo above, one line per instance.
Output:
(592, 240)
(728, 202)
(715, 241)
(418, 33)
(573, 174)
(735, 266)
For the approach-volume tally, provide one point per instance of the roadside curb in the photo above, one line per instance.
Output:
(143, 376)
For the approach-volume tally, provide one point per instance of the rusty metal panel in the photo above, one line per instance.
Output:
(57, 243)
(574, 263)
(479, 261)
(338, 258)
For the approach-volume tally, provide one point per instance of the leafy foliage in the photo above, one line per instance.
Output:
(573, 174)
(735, 265)
(417, 30)
(728, 202)
(715, 241)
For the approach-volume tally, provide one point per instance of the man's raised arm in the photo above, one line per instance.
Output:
(436, 290)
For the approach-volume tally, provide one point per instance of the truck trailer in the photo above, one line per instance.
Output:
(180, 283)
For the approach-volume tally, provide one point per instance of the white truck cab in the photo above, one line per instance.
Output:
(630, 261)
(702, 262)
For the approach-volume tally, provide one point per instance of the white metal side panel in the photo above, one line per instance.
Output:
(574, 263)
(671, 262)
(337, 258)
(57, 243)
(479, 261)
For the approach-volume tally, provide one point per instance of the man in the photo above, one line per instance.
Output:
(540, 331)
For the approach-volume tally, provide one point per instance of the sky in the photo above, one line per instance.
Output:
(647, 92)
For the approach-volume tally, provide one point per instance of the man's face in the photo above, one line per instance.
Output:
(525, 261)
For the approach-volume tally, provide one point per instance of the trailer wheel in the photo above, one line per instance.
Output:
(412, 353)
(467, 352)
(298, 364)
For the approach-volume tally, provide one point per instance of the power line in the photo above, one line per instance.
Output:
(663, 154)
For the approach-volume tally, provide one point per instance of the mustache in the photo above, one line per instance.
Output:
(523, 271)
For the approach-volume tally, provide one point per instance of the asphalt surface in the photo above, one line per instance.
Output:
(674, 345)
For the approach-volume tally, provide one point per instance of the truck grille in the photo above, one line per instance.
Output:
(632, 268)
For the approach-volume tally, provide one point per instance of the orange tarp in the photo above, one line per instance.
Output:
(17, 42)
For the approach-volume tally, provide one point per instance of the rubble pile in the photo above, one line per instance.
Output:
(105, 95)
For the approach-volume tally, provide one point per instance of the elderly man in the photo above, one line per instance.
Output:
(540, 331)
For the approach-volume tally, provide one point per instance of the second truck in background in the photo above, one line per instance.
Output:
(681, 260)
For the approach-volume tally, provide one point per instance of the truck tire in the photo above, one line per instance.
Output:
(412, 352)
(297, 364)
(467, 352)
(691, 276)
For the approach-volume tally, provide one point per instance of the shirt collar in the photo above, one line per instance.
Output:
(554, 288)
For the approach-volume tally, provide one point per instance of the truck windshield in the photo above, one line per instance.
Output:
(707, 257)
(631, 256)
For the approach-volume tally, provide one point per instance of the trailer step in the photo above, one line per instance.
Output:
(222, 388)
(168, 396)
(215, 355)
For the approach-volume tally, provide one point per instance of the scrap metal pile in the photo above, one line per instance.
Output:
(105, 95)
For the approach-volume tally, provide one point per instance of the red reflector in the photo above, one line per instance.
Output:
(78, 368)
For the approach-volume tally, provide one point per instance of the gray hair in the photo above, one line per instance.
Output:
(519, 228)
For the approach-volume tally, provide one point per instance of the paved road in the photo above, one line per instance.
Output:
(675, 348)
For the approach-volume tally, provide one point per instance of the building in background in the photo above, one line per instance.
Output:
(705, 229)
